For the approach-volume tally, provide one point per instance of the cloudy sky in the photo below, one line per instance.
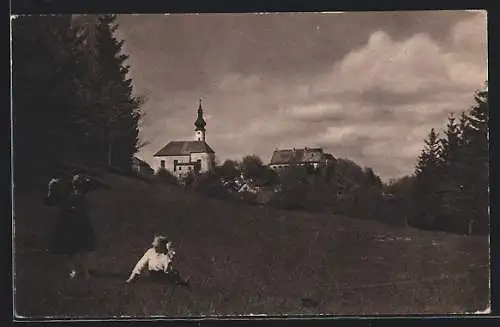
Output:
(364, 86)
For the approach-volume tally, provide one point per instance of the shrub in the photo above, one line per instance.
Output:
(209, 184)
(164, 176)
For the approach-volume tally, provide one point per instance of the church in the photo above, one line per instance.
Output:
(183, 157)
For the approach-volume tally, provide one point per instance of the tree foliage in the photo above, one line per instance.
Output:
(114, 114)
(229, 169)
(44, 90)
(450, 190)
(72, 99)
(252, 166)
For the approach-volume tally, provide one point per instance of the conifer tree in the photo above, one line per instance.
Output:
(451, 183)
(450, 191)
(46, 68)
(426, 192)
(476, 157)
(451, 141)
(430, 159)
(478, 118)
(116, 113)
(72, 100)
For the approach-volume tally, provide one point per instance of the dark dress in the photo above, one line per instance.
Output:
(173, 276)
(72, 232)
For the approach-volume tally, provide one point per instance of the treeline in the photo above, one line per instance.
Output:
(447, 192)
(342, 187)
(450, 187)
(72, 98)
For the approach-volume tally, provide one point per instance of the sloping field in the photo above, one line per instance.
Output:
(243, 260)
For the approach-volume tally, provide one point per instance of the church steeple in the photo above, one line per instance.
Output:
(199, 131)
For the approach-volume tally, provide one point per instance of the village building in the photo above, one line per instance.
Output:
(141, 167)
(183, 157)
(315, 157)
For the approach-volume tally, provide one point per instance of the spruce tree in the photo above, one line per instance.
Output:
(478, 118)
(476, 159)
(451, 180)
(430, 159)
(117, 111)
(426, 191)
(451, 184)
(46, 68)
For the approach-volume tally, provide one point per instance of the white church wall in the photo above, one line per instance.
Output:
(169, 162)
(207, 160)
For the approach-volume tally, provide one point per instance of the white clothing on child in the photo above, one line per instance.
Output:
(154, 261)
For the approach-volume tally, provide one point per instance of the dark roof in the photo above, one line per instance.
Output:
(183, 148)
(288, 156)
(139, 162)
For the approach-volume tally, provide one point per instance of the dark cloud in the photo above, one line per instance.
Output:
(185, 51)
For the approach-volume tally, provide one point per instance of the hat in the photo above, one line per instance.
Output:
(159, 239)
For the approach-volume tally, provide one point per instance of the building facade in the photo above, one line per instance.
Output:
(183, 157)
(315, 157)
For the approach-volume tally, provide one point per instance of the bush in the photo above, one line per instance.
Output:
(164, 176)
(209, 184)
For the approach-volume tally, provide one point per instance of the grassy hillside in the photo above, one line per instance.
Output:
(243, 260)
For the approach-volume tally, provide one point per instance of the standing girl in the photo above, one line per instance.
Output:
(73, 235)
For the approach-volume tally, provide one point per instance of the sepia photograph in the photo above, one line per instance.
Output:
(292, 164)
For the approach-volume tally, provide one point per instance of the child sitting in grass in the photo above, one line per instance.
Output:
(157, 263)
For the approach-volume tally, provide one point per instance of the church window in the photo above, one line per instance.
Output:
(162, 164)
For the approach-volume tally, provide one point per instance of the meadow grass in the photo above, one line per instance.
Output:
(243, 260)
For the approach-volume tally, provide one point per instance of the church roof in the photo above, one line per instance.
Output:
(287, 156)
(183, 148)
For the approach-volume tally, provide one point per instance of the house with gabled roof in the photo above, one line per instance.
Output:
(315, 157)
(183, 157)
(141, 167)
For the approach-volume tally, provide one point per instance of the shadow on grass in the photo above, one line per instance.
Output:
(103, 274)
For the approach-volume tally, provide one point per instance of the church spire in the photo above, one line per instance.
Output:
(200, 125)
